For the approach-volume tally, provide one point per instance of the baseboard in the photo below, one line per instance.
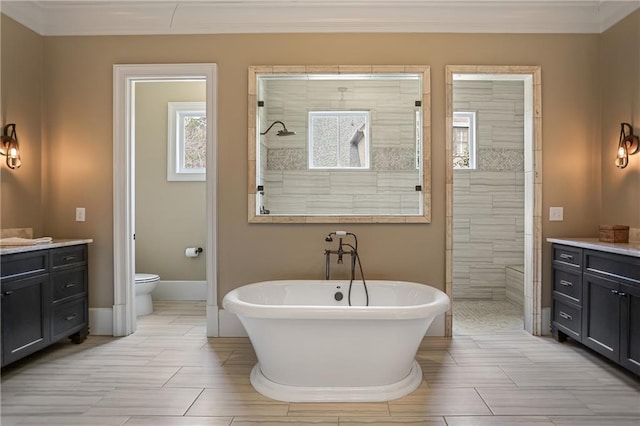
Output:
(221, 323)
(437, 326)
(101, 321)
(546, 322)
(180, 290)
(212, 321)
(230, 326)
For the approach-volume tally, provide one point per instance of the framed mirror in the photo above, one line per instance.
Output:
(347, 144)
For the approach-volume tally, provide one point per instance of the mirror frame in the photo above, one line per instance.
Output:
(255, 71)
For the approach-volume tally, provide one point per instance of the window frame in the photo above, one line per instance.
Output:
(339, 113)
(177, 111)
(473, 140)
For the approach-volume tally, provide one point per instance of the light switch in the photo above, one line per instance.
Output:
(80, 212)
(556, 214)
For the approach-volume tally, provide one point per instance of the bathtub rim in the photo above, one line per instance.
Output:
(233, 303)
(382, 393)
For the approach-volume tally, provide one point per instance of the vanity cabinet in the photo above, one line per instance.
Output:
(567, 292)
(596, 301)
(630, 331)
(44, 297)
(25, 317)
(601, 317)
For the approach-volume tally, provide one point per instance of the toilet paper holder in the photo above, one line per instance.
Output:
(192, 251)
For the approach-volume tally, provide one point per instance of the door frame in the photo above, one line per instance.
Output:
(124, 79)
(532, 182)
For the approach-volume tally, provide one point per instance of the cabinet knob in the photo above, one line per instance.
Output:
(614, 291)
(622, 294)
(7, 293)
(69, 285)
(566, 283)
(68, 258)
(566, 256)
(70, 317)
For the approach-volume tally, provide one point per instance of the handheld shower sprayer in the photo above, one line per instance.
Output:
(339, 234)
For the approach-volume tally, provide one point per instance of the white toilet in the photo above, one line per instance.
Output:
(145, 283)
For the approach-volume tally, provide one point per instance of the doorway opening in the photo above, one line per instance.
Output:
(493, 199)
(125, 79)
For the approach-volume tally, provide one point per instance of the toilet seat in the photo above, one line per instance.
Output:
(146, 278)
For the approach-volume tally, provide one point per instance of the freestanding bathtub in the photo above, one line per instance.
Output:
(313, 347)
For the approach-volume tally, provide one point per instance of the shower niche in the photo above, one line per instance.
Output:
(339, 144)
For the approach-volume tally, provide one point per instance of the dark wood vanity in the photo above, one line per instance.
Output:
(596, 297)
(44, 296)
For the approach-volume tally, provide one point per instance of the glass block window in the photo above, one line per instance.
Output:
(187, 141)
(464, 140)
(339, 139)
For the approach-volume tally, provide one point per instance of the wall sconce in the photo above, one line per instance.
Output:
(628, 145)
(10, 147)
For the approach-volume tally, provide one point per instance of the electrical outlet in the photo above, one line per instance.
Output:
(556, 214)
(80, 214)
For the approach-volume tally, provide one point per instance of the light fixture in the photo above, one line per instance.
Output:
(628, 145)
(283, 132)
(10, 147)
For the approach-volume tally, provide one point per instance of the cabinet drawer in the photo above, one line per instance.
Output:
(570, 256)
(568, 318)
(68, 318)
(21, 265)
(66, 284)
(568, 284)
(68, 256)
(612, 265)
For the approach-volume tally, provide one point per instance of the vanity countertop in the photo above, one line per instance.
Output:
(628, 249)
(53, 244)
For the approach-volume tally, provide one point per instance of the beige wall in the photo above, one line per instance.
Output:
(620, 67)
(78, 117)
(170, 216)
(76, 66)
(21, 196)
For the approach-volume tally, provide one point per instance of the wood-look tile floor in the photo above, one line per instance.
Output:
(169, 373)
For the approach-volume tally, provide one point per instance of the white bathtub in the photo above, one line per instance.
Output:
(311, 347)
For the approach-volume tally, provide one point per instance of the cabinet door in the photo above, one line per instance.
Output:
(25, 317)
(630, 327)
(601, 315)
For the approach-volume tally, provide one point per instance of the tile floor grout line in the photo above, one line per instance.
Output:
(172, 376)
(483, 401)
(509, 376)
(193, 402)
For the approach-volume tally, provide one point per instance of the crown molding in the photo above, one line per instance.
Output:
(100, 17)
(612, 12)
(28, 13)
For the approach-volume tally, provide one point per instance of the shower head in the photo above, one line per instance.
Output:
(283, 132)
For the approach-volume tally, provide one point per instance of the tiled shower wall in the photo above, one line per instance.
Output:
(488, 202)
(387, 187)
